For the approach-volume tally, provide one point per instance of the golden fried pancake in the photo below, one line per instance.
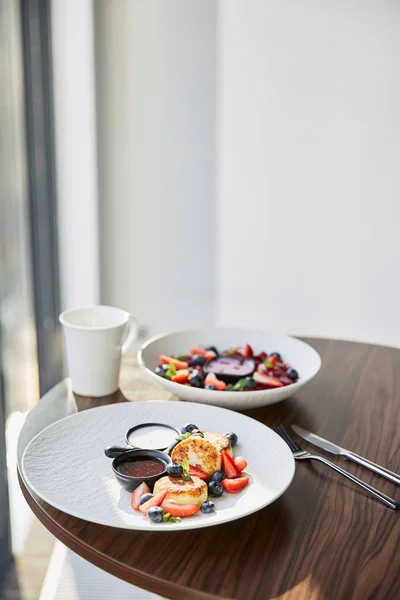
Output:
(219, 441)
(199, 452)
(183, 492)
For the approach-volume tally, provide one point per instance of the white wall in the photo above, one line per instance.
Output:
(156, 82)
(308, 164)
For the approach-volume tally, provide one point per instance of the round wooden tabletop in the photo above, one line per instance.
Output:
(323, 539)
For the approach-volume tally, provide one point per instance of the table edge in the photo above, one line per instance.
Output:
(133, 576)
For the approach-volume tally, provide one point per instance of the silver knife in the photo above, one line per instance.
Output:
(335, 449)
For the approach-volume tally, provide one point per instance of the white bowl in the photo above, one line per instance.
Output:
(298, 354)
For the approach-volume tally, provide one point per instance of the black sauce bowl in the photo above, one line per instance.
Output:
(129, 482)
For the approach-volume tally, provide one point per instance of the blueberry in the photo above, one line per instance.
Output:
(198, 359)
(145, 497)
(215, 489)
(293, 374)
(155, 514)
(174, 470)
(207, 507)
(212, 349)
(218, 476)
(210, 387)
(188, 428)
(160, 371)
(196, 380)
(249, 384)
(232, 437)
(278, 356)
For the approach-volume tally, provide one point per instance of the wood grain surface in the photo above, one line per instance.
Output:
(323, 539)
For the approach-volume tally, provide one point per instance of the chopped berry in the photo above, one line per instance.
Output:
(188, 428)
(144, 498)
(277, 355)
(247, 351)
(218, 476)
(161, 371)
(155, 514)
(195, 471)
(207, 507)
(174, 470)
(210, 387)
(241, 463)
(293, 374)
(232, 486)
(232, 437)
(142, 488)
(196, 380)
(197, 432)
(198, 359)
(179, 510)
(215, 489)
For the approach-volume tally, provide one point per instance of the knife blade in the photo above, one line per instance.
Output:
(320, 442)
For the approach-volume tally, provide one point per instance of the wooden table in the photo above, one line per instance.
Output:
(323, 539)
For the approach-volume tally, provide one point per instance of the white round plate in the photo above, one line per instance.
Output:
(66, 466)
(298, 354)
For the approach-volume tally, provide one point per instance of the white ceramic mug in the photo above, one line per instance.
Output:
(94, 339)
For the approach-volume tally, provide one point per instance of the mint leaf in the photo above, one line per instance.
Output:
(166, 517)
(184, 436)
(239, 385)
(175, 519)
(232, 351)
(170, 371)
(269, 364)
(186, 467)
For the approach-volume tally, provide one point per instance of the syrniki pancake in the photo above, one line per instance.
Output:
(183, 492)
(200, 453)
(219, 441)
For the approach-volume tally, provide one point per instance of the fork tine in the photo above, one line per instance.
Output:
(280, 430)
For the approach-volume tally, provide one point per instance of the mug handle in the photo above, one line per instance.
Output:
(133, 329)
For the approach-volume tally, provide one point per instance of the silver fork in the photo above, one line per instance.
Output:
(300, 454)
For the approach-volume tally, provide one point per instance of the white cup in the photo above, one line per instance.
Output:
(94, 339)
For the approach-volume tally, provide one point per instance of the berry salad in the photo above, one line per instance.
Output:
(232, 370)
(203, 470)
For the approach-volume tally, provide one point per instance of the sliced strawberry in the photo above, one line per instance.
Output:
(168, 360)
(262, 368)
(179, 510)
(266, 380)
(272, 359)
(181, 376)
(155, 501)
(197, 350)
(210, 354)
(285, 379)
(241, 463)
(211, 379)
(197, 472)
(228, 466)
(232, 486)
(143, 488)
(247, 351)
